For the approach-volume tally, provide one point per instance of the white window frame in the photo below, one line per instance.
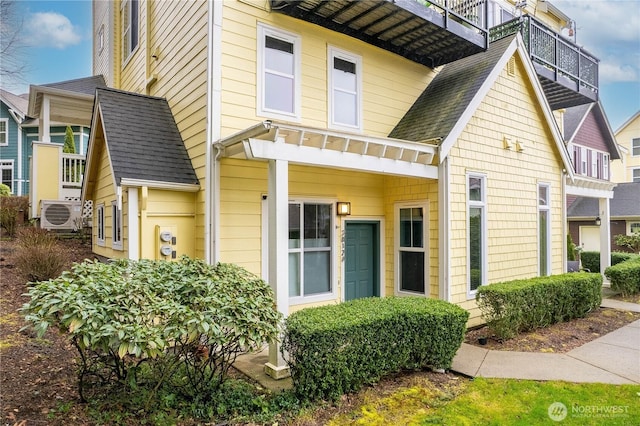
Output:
(635, 174)
(334, 52)
(100, 39)
(100, 228)
(5, 132)
(294, 39)
(484, 245)
(635, 145)
(605, 166)
(116, 227)
(584, 163)
(594, 164)
(8, 165)
(127, 17)
(333, 293)
(631, 225)
(544, 208)
(424, 205)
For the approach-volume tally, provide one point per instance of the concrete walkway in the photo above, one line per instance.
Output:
(613, 358)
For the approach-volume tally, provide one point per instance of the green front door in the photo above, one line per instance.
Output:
(361, 260)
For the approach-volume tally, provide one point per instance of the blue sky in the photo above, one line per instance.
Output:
(57, 37)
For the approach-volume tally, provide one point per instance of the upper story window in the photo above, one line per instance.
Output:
(499, 12)
(605, 166)
(635, 147)
(345, 90)
(4, 131)
(278, 73)
(129, 28)
(635, 175)
(583, 161)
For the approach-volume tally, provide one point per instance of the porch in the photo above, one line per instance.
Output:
(568, 73)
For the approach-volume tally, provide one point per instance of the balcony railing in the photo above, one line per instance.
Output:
(431, 33)
(568, 73)
(72, 170)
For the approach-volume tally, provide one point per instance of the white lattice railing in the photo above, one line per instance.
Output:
(72, 170)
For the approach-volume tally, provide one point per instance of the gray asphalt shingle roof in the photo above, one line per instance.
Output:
(625, 202)
(435, 113)
(86, 85)
(143, 139)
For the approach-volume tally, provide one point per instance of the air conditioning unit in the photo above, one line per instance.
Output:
(62, 215)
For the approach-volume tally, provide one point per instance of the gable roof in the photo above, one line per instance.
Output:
(142, 140)
(445, 108)
(629, 121)
(574, 117)
(15, 102)
(625, 203)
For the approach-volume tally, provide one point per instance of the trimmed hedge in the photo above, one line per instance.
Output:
(336, 349)
(591, 259)
(520, 305)
(625, 276)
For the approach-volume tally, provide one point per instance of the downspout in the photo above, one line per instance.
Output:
(564, 222)
(444, 214)
(150, 79)
(214, 101)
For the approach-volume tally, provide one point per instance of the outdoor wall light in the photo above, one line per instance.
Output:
(598, 221)
(344, 208)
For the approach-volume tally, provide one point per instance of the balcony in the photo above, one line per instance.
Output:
(568, 73)
(431, 33)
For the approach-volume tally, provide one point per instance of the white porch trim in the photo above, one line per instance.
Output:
(327, 148)
(583, 186)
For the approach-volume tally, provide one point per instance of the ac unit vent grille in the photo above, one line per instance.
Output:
(57, 214)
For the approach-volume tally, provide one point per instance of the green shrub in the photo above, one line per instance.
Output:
(336, 349)
(625, 276)
(5, 191)
(521, 305)
(632, 242)
(13, 211)
(591, 259)
(183, 316)
(40, 256)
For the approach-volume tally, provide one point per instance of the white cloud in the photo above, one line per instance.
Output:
(51, 29)
(609, 29)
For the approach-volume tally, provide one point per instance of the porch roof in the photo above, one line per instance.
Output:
(271, 140)
(625, 203)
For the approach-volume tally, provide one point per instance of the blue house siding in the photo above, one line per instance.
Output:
(9, 151)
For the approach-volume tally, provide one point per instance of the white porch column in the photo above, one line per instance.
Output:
(44, 123)
(605, 234)
(278, 205)
(133, 224)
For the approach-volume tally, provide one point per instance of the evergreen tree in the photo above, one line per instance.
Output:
(69, 143)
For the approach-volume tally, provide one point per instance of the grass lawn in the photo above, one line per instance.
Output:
(500, 402)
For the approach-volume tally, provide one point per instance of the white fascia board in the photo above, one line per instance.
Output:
(153, 184)
(267, 150)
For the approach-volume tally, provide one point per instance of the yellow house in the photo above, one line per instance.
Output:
(628, 139)
(338, 149)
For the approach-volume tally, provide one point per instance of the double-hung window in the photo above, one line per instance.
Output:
(605, 166)
(345, 90)
(476, 232)
(635, 175)
(279, 73)
(412, 236)
(635, 147)
(100, 224)
(544, 230)
(4, 131)
(583, 161)
(116, 229)
(310, 250)
(6, 169)
(129, 11)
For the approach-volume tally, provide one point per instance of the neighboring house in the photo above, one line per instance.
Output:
(592, 147)
(14, 153)
(628, 138)
(56, 177)
(338, 149)
(625, 217)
